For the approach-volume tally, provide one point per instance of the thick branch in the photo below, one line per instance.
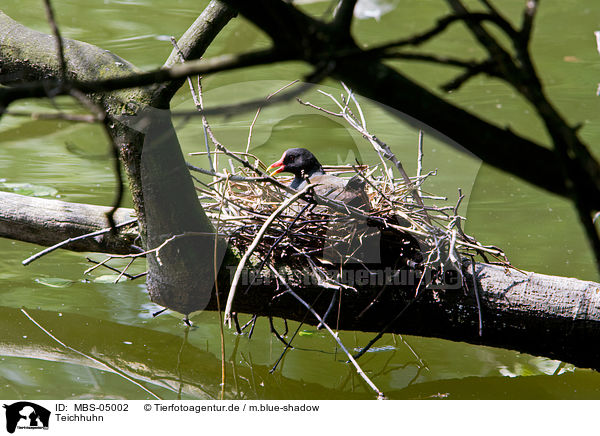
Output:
(539, 314)
(194, 42)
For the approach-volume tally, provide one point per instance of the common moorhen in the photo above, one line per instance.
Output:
(304, 165)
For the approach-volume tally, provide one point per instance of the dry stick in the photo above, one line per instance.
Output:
(336, 205)
(129, 276)
(68, 241)
(200, 107)
(197, 100)
(359, 370)
(252, 247)
(475, 289)
(93, 359)
(97, 265)
(124, 270)
(371, 138)
(362, 130)
(155, 250)
(360, 112)
(381, 148)
(420, 163)
(232, 177)
(241, 153)
(216, 273)
(54, 116)
(289, 345)
(276, 333)
(260, 108)
(390, 324)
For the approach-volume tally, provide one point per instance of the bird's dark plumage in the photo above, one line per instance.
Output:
(304, 165)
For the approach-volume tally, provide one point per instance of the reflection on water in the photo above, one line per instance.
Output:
(99, 340)
(94, 358)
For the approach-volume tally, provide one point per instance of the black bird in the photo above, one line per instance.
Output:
(304, 165)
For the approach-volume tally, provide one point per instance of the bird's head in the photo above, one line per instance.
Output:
(298, 161)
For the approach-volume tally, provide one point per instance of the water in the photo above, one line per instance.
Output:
(91, 339)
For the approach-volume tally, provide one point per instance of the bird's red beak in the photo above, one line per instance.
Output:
(279, 165)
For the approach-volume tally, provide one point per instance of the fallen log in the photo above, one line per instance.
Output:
(48, 222)
(539, 314)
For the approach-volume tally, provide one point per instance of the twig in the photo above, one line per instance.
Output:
(59, 43)
(122, 273)
(95, 262)
(380, 147)
(216, 284)
(260, 108)
(274, 245)
(54, 116)
(276, 333)
(232, 177)
(68, 241)
(289, 344)
(476, 291)
(92, 358)
(197, 100)
(155, 250)
(420, 162)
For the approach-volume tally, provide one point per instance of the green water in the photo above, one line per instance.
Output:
(95, 340)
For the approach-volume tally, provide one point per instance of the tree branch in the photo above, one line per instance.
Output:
(176, 72)
(194, 42)
(342, 18)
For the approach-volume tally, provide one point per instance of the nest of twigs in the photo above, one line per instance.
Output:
(404, 228)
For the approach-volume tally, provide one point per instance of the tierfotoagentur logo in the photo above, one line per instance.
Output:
(26, 415)
(451, 279)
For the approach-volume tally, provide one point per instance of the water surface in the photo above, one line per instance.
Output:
(111, 347)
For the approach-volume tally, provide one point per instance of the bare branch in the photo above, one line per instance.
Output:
(59, 44)
(442, 24)
(486, 67)
(528, 17)
(71, 240)
(177, 71)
